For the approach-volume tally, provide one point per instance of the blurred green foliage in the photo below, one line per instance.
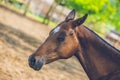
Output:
(103, 14)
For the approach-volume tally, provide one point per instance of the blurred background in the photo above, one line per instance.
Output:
(25, 24)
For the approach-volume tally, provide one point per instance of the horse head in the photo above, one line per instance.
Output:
(62, 42)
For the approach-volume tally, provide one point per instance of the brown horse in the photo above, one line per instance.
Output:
(100, 60)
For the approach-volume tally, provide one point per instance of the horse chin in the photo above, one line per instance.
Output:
(52, 57)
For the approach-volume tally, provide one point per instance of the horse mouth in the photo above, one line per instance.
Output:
(36, 64)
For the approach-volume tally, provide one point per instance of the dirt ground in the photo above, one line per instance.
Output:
(19, 38)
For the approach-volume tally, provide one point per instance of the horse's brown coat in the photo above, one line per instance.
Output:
(99, 59)
(97, 56)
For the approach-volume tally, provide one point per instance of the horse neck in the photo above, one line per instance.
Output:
(97, 57)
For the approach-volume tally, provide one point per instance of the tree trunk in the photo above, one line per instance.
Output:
(47, 16)
(27, 7)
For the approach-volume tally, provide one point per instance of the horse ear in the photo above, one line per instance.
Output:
(79, 21)
(71, 15)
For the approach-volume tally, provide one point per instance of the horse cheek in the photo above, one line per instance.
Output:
(65, 50)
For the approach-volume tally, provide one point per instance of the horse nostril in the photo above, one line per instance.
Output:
(32, 61)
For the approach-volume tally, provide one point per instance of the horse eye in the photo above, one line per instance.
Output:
(61, 37)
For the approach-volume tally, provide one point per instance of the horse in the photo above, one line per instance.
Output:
(99, 59)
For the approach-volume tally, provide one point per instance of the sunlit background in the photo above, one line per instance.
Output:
(103, 14)
(25, 24)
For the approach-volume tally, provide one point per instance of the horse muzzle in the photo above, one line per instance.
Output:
(36, 63)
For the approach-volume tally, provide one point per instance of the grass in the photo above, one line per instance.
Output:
(39, 18)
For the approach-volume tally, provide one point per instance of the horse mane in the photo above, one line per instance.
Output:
(104, 41)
